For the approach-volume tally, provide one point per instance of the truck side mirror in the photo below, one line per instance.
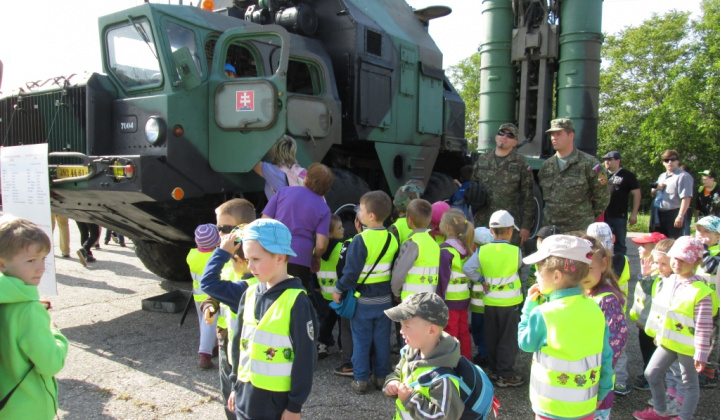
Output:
(186, 68)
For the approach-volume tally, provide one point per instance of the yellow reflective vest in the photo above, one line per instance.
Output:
(499, 266)
(403, 229)
(458, 287)
(327, 276)
(197, 261)
(400, 412)
(565, 374)
(266, 348)
(423, 275)
(678, 328)
(374, 240)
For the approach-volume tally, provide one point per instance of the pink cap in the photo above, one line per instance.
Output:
(652, 238)
(687, 248)
(438, 209)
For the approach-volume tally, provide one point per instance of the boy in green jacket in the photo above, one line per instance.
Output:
(32, 349)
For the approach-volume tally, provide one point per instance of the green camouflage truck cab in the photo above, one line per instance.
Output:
(154, 145)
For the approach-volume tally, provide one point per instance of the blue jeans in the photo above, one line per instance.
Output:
(370, 328)
(477, 323)
(618, 225)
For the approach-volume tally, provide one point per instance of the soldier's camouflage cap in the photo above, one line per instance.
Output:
(509, 127)
(424, 305)
(561, 124)
(411, 190)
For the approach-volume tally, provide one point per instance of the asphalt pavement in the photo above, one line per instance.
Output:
(126, 363)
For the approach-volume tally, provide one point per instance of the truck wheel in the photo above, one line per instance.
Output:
(439, 188)
(163, 260)
(344, 194)
(538, 201)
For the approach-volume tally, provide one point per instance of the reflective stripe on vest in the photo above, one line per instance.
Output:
(499, 266)
(458, 287)
(403, 229)
(227, 274)
(678, 328)
(266, 352)
(565, 373)
(423, 275)
(196, 262)
(327, 275)
(477, 298)
(660, 298)
(374, 240)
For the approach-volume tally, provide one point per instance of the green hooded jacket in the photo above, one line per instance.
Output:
(25, 336)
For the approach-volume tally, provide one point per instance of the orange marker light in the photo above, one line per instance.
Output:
(178, 130)
(208, 5)
(178, 194)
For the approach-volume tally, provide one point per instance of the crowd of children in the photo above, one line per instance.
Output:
(443, 281)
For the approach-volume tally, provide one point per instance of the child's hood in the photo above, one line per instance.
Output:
(14, 290)
(445, 354)
(459, 246)
(290, 283)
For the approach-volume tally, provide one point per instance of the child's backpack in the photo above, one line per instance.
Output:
(295, 175)
(476, 390)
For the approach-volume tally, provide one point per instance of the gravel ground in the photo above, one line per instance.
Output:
(125, 363)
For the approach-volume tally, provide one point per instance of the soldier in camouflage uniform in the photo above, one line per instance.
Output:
(574, 184)
(508, 180)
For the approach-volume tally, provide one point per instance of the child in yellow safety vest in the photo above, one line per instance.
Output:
(275, 346)
(707, 230)
(423, 317)
(453, 285)
(206, 239)
(482, 237)
(496, 266)
(416, 267)
(225, 295)
(653, 251)
(684, 333)
(603, 233)
(326, 278)
(601, 285)
(566, 330)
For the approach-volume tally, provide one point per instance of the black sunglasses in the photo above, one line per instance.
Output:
(225, 228)
(669, 160)
(505, 133)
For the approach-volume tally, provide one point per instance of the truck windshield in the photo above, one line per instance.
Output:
(132, 55)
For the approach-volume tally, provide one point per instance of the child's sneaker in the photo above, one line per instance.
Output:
(346, 369)
(512, 381)
(641, 384)
(649, 414)
(322, 350)
(622, 389)
(205, 362)
(360, 387)
(82, 256)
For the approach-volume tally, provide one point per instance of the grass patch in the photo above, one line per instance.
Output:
(643, 224)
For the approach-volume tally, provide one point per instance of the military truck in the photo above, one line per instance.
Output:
(152, 146)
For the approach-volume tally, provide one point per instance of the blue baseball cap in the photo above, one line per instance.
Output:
(274, 236)
(230, 67)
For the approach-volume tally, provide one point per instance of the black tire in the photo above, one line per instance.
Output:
(539, 204)
(344, 194)
(163, 260)
(439, 188)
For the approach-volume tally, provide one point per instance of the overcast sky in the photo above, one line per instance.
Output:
(46, 38)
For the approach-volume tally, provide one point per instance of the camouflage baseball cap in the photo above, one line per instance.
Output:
(424, 305)
(561, 124)
(411, 190)
(509, 127)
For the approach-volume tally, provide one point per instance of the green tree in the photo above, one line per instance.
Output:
(465, 76)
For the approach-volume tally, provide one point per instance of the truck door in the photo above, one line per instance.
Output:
(248, 110)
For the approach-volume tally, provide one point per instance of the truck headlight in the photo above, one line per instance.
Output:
(154, 130)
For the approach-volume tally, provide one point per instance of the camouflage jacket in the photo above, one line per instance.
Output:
(509, 187)
(575, 196)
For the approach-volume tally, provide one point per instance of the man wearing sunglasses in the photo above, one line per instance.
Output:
(508, 180)
(675, 187)
(574, 184)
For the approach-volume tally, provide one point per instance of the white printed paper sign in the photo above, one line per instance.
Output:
(26, 194)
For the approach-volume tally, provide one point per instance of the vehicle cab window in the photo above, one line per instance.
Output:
(303, 78)
(242, 60)
(180, 37)
(132, 56)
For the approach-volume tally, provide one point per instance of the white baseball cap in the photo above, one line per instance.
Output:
(563, 246)
(501, 219)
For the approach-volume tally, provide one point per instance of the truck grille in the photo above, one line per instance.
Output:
(56, 117)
